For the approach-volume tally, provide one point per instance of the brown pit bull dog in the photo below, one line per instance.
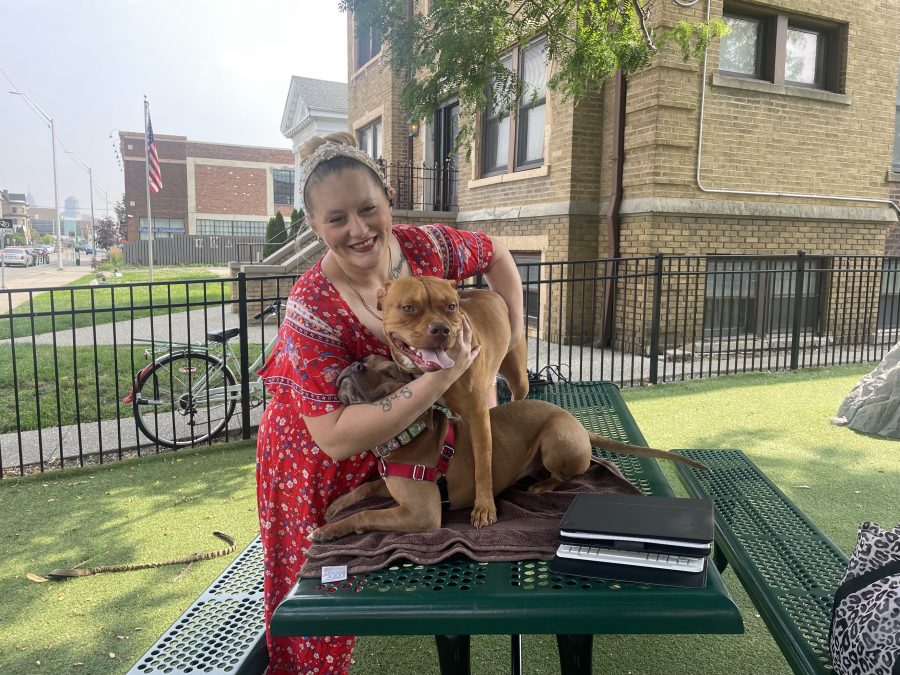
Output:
(526, 435)
(422, 319)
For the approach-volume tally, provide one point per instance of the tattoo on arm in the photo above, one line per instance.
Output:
(387, 402)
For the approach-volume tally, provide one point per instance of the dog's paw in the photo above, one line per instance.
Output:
(484, 514)
(331, 511)
(325, 533)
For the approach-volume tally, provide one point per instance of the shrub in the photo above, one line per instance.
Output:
(275, 235)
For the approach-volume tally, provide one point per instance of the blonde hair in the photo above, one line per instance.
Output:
(321, 157)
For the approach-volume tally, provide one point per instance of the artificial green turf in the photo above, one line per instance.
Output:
(127, 512)
(112, 301)
(162, 507)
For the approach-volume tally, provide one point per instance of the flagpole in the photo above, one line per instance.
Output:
(147, 186)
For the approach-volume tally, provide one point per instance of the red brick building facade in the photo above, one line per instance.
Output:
(208, 188)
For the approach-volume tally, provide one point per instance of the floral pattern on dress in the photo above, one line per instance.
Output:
(296, 481)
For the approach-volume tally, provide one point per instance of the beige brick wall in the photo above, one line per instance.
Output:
(766, 140)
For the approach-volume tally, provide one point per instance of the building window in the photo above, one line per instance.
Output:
(231, 228)
(756, 296)
(740, 51)
(369, 138)
(163, 228)
(889, 296)
(368, 44)
(897, 131)
(530, 273)
(518, 141)
(781, 49)
(284, 186)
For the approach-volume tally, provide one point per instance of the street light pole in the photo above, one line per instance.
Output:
(34, 106)
(93, 222)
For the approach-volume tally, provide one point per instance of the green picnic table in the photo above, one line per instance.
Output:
(459, 598)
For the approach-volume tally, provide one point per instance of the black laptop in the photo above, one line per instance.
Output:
(662, 529)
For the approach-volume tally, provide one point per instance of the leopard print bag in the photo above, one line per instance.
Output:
(865, 620)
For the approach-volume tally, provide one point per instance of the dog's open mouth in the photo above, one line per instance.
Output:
(426, 360)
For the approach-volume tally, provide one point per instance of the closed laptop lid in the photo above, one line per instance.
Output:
(636, 516)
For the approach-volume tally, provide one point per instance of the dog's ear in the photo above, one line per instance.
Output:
(381, 292)
(452, 282)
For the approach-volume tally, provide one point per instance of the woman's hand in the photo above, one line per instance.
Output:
(462, 353)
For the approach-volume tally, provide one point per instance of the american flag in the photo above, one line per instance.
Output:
(155, 175)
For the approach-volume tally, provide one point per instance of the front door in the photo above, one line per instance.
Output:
(446, 127)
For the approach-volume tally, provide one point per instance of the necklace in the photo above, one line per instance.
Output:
(393, 273)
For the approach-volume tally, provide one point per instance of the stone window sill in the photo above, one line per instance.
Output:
(893, 176)
(510, 177)
(365, 66)
(764, 87)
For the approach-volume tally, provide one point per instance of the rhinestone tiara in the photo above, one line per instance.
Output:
(328, 151)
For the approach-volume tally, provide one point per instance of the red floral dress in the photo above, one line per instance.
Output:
(296, 481)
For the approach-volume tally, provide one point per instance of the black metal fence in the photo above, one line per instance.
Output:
(423, 187)
(69, 356)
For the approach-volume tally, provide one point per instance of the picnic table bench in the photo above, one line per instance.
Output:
(789, 568)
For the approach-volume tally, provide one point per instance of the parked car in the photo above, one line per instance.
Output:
(16, 256)
(43, 252)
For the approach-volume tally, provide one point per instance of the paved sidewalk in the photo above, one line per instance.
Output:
(40, 277)
(90, 438)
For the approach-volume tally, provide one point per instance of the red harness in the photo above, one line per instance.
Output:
(420, 471)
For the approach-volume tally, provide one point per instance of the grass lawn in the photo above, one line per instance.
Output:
(78, 305)
(165, 506)
(66, 370)
(99, 370)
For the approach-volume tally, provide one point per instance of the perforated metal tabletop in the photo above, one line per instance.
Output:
(468, 598)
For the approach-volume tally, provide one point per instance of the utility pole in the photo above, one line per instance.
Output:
(93, 222)
(34, 106)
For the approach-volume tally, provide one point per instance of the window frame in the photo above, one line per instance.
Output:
(287, 186)
(528, 264)
(772, 46)
(895, 161)
(514, 162)
(367, 43)
(376, 126)
(756, 306)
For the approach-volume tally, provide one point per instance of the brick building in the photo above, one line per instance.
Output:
(782, 140)
(208, 188)
(14, 207)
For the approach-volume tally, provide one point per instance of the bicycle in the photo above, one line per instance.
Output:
(188, 395)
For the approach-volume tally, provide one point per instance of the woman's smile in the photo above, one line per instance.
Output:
(364, 246)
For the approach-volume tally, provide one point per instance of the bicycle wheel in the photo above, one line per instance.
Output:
(181, 401)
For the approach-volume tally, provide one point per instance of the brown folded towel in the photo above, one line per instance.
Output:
(527, 528)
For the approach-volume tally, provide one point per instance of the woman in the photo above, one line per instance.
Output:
(310, 448)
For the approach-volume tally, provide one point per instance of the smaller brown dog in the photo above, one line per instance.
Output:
(526, 435)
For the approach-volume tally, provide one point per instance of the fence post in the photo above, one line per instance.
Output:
(798, 306)
(654, 323)
(245, 356)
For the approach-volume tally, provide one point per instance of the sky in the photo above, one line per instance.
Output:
(213, 70)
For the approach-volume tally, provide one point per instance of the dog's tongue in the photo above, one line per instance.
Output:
(436, 359)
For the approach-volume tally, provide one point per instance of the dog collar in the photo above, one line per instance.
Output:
(407, 435)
